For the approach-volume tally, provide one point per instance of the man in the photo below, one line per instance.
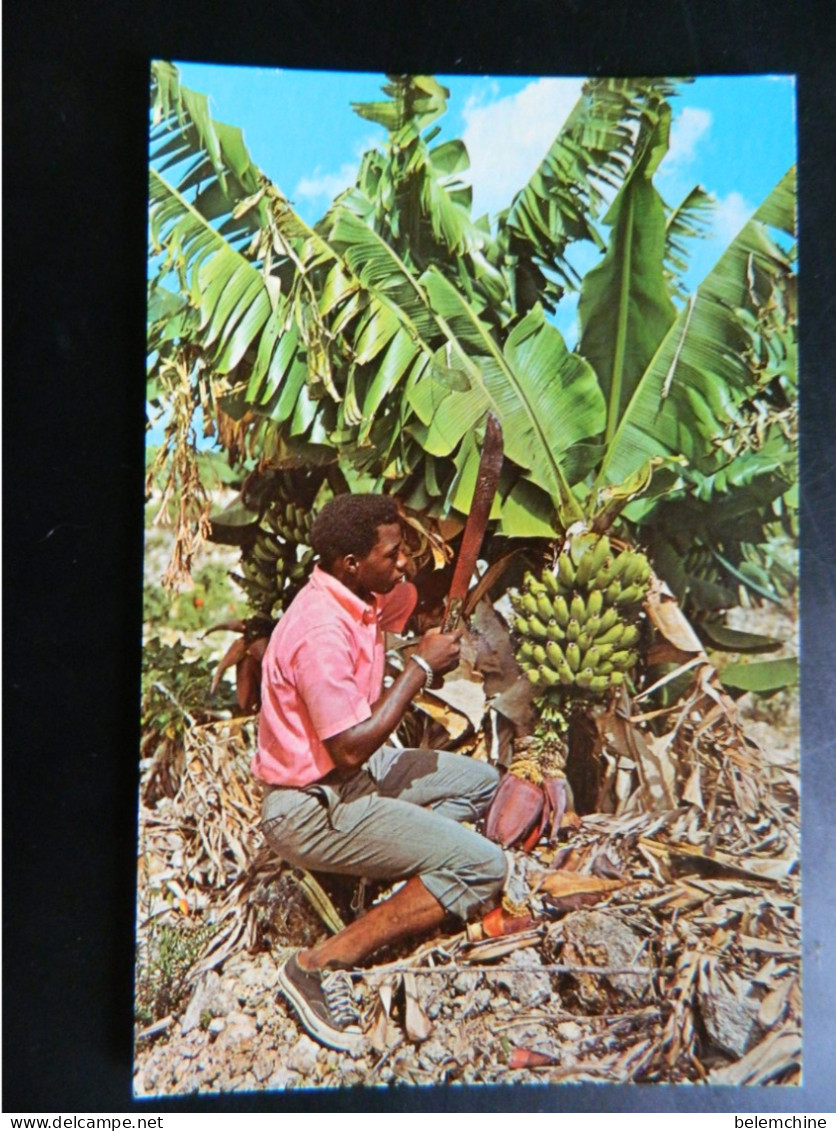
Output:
(337, 798)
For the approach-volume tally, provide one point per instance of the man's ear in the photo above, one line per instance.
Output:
(351, 563)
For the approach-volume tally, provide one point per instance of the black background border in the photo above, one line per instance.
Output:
(75, 114)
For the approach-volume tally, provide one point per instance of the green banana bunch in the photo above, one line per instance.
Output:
(271, 573)
(576, 621)
(290, 520)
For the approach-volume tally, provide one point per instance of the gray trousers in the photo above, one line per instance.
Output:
(397, 816)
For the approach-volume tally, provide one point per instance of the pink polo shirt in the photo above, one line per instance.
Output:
(321, 673)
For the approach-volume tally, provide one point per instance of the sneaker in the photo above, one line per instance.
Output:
(323, 1000)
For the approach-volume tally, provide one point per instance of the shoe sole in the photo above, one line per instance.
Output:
(342, 1042)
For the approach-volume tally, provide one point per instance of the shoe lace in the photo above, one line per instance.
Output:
(339, 998)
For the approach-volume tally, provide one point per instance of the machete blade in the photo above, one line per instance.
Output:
(487, 478)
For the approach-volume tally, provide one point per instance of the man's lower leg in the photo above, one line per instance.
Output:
(410, 911)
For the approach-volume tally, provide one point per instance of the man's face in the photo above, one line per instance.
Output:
(385, 564)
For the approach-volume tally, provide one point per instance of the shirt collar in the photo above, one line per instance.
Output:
(360, 611)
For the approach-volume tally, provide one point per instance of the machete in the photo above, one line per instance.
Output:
(487, 479)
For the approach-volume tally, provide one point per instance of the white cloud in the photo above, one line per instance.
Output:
(732, 213)
(326, 184)
(508, 138)
(686, 131)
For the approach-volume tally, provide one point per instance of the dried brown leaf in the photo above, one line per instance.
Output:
(563, 884)
(381, 1036)
(692, 793)
(455, 722)
(775, 1055)
(498, 948)
(669, 620)
(768, 946)
(417, 1024)
(772, 1006)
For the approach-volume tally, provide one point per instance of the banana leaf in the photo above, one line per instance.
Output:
(230, 294)
(686, 396)
(625, 309)
(563, 197)
(689, 220)
(763, 677)
(732, 640)
(546, 398)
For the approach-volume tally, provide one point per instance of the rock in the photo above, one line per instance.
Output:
(239, 1030)
(481, 1001)
(222, 1004)
(217, 1025)
(263, 1066)
(204, 993)
(730, 1013)
(283, 1077)
(527, 986)
(350, 1075)
(254, 976)
(465, 981)
(433, 1052)
(569, 1031)
(604, 938)
(303, 1056)
(144, 1082)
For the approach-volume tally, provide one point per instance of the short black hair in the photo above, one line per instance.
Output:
(348, 525)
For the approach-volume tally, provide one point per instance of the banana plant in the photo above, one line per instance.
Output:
(381, 336)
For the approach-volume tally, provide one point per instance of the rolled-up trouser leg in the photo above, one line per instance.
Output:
(453, 785)
(385, 838)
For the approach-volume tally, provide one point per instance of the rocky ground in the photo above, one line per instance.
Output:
(662, 944)
(648, 967)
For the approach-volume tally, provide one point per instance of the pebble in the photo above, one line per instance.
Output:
(303, 1056)
(253, 977)
(263, 1066)
(482, 1000)
(222, 1004)
(239, 1030)
(529, 987)
(730, 1014)
(433, 1052)
(283, 1077)
(465, 981)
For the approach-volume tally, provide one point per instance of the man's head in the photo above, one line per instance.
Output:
(358, 540)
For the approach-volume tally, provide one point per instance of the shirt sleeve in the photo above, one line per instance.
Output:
(397, 605)
(323, 673)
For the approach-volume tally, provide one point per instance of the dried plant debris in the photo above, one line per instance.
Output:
(656, 941)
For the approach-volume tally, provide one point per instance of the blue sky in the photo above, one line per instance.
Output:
(735, 135)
